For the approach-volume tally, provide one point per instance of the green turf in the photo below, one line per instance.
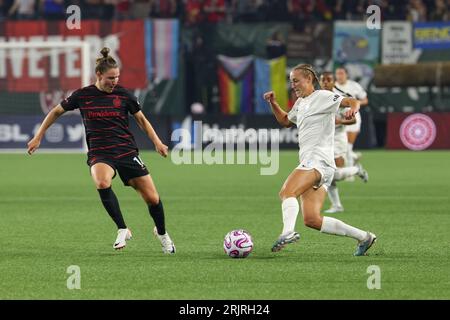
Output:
(51, 218)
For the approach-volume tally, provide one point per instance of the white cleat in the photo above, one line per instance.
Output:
(166, 243)
(365, 244)
(335, 210)
(362, 173)
(122, 236)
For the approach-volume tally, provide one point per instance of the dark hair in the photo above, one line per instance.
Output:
(106, 62)
(327, 73)
(343, 68)
(307, 70)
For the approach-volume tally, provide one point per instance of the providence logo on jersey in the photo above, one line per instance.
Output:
(102, 114)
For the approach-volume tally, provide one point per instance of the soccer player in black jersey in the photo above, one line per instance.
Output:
(104, 108)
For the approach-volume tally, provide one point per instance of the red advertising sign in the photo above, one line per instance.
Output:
(418, 131)
(29, 69)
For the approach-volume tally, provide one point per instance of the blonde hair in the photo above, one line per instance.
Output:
(307, 71)
(105, 62)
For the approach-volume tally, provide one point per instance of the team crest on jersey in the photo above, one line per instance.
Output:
(117, 102)
(418, 132)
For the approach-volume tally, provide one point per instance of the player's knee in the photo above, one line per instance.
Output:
(284, 194)
(312, 222)
(103, 184)
(152, 198)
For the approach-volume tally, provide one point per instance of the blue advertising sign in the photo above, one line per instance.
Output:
(66, 133)
(432, 35)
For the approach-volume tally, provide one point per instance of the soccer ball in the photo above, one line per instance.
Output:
(238, 244)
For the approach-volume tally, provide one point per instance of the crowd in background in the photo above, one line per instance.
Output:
(194, 12)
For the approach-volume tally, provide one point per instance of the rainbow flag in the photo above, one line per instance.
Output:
(235, 84)
(270, 75)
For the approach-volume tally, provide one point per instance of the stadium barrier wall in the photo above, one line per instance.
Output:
(68, 132)
(252, 129)
(418, 131)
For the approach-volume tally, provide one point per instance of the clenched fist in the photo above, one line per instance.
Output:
(269, 96)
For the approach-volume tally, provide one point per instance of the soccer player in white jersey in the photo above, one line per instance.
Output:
(340, 149)
(313, 113)
(352, 89)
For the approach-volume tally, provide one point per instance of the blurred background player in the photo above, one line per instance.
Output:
(353, 89)
(104, 107)
(313, 113)
(340, 149)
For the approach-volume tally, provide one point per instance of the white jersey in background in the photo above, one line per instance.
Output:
(351, 88)
(354, 90)
(340, 135)
(314, 116)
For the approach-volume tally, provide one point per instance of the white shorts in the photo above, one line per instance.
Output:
(326, 172)
(340, 144)
(355, 127)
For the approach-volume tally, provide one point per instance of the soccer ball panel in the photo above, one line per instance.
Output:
(238, 244)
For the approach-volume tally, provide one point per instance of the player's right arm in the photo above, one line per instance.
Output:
(280, 114)
(345, 122)
(354, 106)
(51, 117)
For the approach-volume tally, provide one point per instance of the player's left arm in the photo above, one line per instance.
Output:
(364, 102)
(146, 126)
(354, 106)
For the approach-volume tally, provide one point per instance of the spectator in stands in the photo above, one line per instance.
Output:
(3, 10)
(141, 9)
(276, 10)
(417, 12)
(23, 9)
(163, 8)
(348, 9)
(109, 9)
(338, 9)
(356, 9)
(322, 11)
(214, 10)
(122, 9)
(391, 10)
(440, 11)
(300, 10)
(52, 9)
(92, 9)
(247, 10)
(193, 12)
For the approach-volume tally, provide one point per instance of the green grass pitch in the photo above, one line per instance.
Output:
(51, 218)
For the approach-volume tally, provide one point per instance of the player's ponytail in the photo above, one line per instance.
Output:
(105, 62)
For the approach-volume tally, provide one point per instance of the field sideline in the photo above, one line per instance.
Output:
(51, 218)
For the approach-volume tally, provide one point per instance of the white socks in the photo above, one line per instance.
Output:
(337, 227)
(290, 208)
(349, 161)
(342, 173)
(333, 195)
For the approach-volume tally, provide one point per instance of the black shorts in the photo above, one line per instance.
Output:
(128, 167)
